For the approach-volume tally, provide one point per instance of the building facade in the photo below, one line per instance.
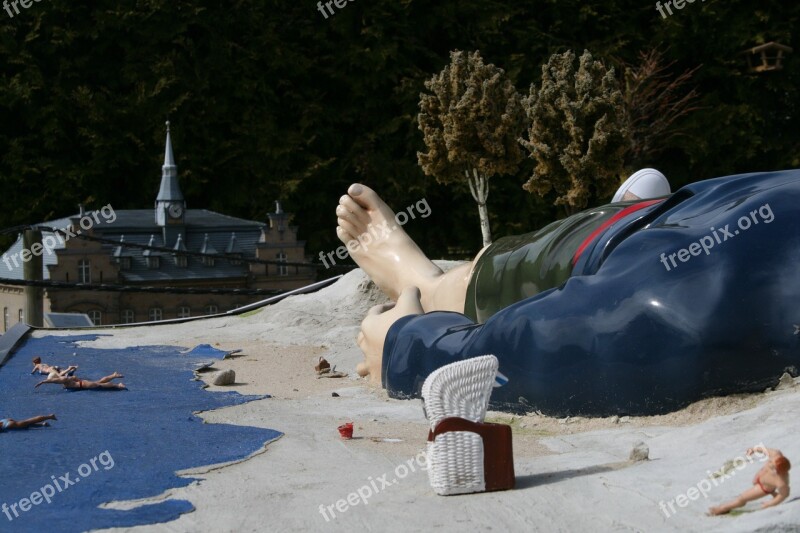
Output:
(193, 237)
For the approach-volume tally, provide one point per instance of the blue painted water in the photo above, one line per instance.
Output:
(108, 445)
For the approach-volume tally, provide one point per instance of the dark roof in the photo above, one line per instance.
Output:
(138, 226)
(138, 219)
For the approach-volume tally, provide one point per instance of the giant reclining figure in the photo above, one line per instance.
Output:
(664, 302)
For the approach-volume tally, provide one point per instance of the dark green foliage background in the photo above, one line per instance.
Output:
(269, 100)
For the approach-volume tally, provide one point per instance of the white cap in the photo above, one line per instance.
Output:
(645, 183)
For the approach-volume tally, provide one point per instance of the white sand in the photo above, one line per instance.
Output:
(572, 475)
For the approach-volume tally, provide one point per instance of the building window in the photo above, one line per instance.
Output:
(153, 262)
(154, 314)
(84, 271)
(5, 319)
(124, 263)
(235, 260)
(128, 316)
(184, 312)
(283, 270)
(212, 309)
(181, 261)
(96, 317)
(208, 261)
(21, 315)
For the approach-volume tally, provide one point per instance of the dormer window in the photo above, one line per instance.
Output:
(181, 260)
(152, 257)
(234, 251)
(123, 260)
(209, 249)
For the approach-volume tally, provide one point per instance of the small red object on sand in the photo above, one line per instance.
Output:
(346, 430)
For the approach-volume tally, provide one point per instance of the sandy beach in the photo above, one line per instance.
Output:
(572, 474)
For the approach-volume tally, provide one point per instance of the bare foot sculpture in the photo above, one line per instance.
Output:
(380, 246)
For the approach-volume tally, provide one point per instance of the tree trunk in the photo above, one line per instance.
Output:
(479, 187)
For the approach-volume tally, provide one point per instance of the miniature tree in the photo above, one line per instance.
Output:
(471, 125)
(576, 132)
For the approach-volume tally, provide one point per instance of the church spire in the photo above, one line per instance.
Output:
(170, 205)
(170, 191)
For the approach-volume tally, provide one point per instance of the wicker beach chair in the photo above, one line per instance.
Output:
(465, 454)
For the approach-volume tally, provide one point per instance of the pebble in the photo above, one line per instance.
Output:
(226, 377)
(640, 452)
(625, 419)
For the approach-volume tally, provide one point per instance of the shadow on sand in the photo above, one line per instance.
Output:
(546, 478)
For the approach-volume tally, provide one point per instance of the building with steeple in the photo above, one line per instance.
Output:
(195, 237)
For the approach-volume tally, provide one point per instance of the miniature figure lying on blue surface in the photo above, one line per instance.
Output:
(638, 307)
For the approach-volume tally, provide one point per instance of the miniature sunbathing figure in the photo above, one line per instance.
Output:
(639, 307)
(772, 479)
(36, 421)
(45, 369)
(74, 383)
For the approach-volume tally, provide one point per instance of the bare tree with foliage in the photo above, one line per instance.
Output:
(654, 101)
(576, 131)
(471, 124)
